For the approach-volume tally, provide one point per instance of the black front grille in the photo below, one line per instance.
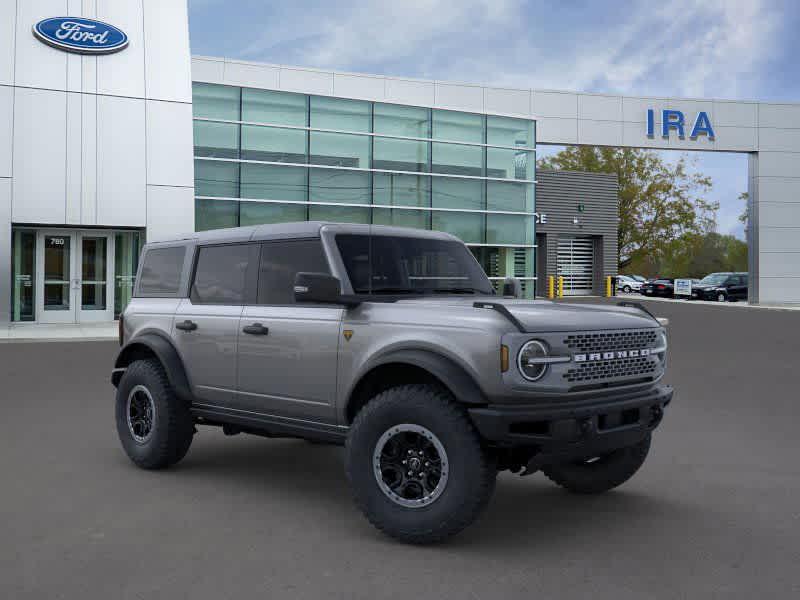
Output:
(608, 341)
(599, 370)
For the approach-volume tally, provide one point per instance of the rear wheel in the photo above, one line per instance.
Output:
(601, 473)
(626, 289)
(154, 426)
(416, 465)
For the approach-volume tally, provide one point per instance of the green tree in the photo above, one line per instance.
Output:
(659, 202)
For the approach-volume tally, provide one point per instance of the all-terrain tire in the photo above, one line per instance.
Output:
(602, 474)
(471, 475)
(172, 425)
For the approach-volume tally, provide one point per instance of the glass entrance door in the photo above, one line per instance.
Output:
(73, 275)
(94, 299)
(55, 274)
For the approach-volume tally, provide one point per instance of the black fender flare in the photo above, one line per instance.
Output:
(159, 345)
(452, 375)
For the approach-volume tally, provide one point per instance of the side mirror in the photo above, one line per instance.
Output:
(317, 287)
(512, 287)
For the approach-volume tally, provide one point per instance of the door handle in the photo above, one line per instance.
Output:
(256, 329)
(187, 325)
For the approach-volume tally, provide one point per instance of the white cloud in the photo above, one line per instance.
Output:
(687, 47)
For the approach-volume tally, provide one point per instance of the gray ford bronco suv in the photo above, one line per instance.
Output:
(392, 342)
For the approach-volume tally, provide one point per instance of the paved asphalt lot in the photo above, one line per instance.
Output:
(715, 512)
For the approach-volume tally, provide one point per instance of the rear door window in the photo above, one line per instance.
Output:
(161, 271)
(220, 275)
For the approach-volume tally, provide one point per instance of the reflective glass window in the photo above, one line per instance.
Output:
(509, 229)
(419, 219)
(406, 121)
(216, 178)
(219, 276)
(452, 192)
(340, 214)
(457, 126)
(339, 185)
(260, 213)
(280, 108)
(400, 155)
(507, 131)
(339, 150)
(212, 101)
(401, 190)
(220, 140)
(273, 182)
(273, 144)
(509, 196)
(337, 113)
(509, 164)
(466, 226)
(127, 247)
(23, 260)
(215, 214)
(457, 159)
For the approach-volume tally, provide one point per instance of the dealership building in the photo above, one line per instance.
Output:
(112, 134)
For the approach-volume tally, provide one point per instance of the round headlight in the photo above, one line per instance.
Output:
(527, 360)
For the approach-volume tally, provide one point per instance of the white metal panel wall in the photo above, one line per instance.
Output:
(39, 156)
(170, 149)
(167, 58)
(121, 166)
(170, 211)
(6, 128)
(121, 73)
(8, 24)
(37, 65)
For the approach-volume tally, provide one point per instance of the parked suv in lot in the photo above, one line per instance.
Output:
(392, 342)
(721, 287)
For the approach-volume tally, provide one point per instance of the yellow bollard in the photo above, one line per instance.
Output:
(608, 286)
(561, 286)
(551, 287)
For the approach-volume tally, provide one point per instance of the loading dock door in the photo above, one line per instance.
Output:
(576, 264)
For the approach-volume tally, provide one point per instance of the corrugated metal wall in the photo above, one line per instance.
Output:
(559, 194)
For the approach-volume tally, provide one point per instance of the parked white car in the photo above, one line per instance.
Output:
(627, 284)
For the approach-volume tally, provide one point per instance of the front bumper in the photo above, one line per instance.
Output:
(565, 430)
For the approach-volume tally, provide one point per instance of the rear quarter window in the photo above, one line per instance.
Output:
(161, 270)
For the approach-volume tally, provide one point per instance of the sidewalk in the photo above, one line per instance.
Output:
(34, 332)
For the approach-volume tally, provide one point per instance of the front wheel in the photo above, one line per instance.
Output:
(601, 473)
(721, 297)
(416, 465)
(154, 426)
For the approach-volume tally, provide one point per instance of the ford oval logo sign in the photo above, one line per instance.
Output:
(84, 36)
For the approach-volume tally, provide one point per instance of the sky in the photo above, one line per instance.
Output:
(733, 49)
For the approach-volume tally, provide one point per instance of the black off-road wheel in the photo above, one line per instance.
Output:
(154, 426)
(602, 473)
(416, 465)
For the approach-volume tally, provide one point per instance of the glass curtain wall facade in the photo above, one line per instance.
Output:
(264, 156)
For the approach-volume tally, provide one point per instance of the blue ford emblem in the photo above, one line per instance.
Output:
(76, 34)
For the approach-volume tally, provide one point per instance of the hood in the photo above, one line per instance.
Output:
(545, 316)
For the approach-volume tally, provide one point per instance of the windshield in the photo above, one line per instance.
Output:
(383, 264)
(714, 279)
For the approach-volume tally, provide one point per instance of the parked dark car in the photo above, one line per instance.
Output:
(721, 287)
(663, 288)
